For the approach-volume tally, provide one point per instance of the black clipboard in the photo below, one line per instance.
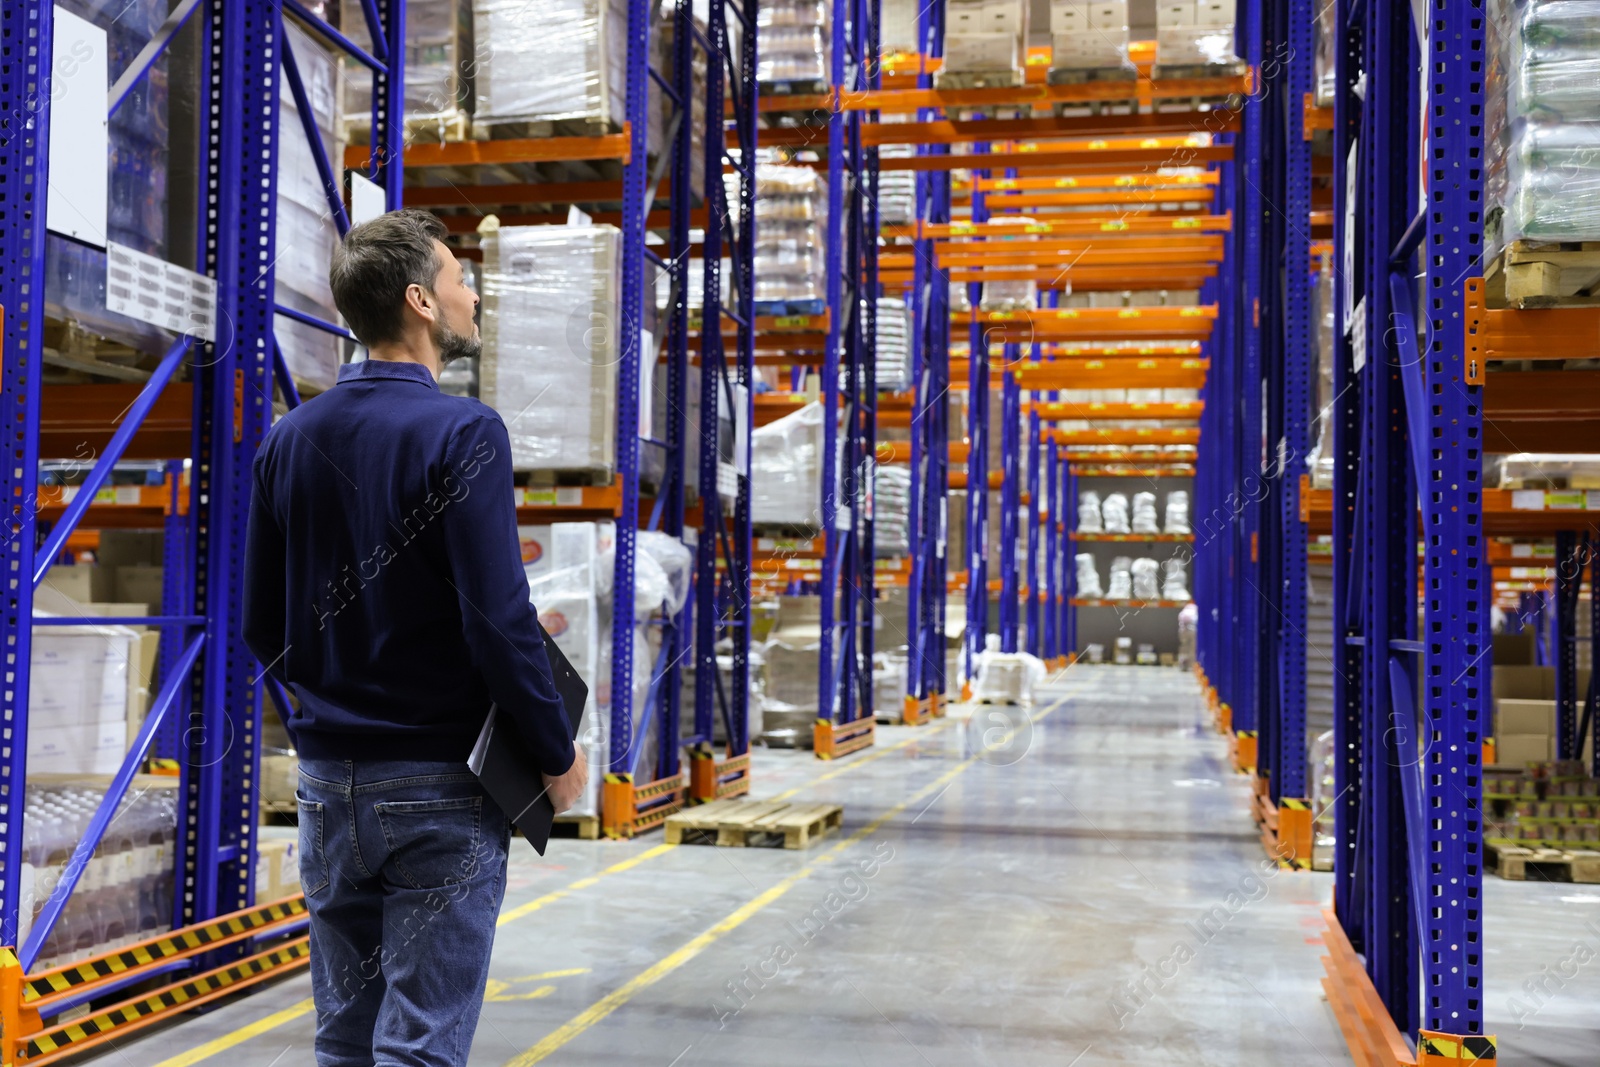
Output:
(505, 766)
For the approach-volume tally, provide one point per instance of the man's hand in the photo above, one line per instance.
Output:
(567, 789)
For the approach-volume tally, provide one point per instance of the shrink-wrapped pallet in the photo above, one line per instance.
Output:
(985, 42)
(1089, 520)
(550, 344)
(1114, 513)
(1542, 124)
(793, 44)
(1177, 517)
(891, 489)
(1121, 587)
(790, 259)
(1087, 584)
(441, 67)
(305, 234)
(786, 469)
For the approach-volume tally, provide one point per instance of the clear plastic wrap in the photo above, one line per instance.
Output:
(1144, 572)
(790, 258)
(1089, 512)
(985, 37)
(662, 566)
(790, 672)
(1114, 513)
(441, 61)
(893, 352)
(1088, 36)
(1005, 677)
(305, 233)
(1196, 46)
(1010, 295)
(1144, 514)
(1087, 583)
(897, 189)
(550, 345)
(891, 511)
(1550, 470)
(793, 43)
(125, 889)
(1121, 587)
(1175, 579)
(1177, 517)
(552, 61)
(1542, 126)
(786, 469)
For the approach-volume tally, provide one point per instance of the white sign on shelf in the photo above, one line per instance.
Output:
(80, 144)
(163, 294)
(367, 199)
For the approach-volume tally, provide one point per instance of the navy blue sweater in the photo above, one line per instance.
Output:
(383, 575)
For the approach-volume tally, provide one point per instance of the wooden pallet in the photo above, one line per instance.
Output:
(1543, 274)
(420, 129)
(744, 823)
(583, 827)
(1519, 864)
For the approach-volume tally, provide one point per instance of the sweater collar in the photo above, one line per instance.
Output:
(387, 368)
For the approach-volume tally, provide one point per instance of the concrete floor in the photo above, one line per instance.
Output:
(1077, 891)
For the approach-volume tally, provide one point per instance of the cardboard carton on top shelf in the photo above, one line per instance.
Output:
(1516, 750)
(1514, 716)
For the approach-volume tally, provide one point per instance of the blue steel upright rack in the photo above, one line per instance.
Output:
(207, 711)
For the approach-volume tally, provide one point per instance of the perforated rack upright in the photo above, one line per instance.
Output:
(207, 712)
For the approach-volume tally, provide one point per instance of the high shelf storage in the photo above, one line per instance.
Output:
(204, 406)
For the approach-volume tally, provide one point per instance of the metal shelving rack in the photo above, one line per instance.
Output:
(845, 721)
(207, 712)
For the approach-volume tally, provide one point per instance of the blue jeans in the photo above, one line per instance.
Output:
(403, 866)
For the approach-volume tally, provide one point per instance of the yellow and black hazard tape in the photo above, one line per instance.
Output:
(52, 982)
(1460, 1049)
(61, 1037)
(1293, 804)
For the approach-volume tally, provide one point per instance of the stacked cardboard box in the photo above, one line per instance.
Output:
(1194, 33)
(1525, 713)
(1087, 36)
(549, 320)
(985, 42)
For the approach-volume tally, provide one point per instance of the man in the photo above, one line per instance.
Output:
(384, 586)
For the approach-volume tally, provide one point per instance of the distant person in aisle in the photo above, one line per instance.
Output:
(384, 588)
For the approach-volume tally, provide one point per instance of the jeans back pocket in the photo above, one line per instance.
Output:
(313, 855)
(436, 843)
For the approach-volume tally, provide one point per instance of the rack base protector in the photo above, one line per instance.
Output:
(711, 779)
(1370, 1032)
(48, 1044)
(832, 740)
(1242, 751)
(917, 710)
(1286, 827)
(627, 809)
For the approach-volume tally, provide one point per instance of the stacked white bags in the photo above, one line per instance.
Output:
(1144, 514)
(1088, 584)
(1144, 571)
(1089, 513)
(1121, 579)
(1177, 512)
(1114, 514)
(1175, 579)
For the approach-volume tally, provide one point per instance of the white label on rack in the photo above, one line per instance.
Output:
(1522, 551)
(127, 494)
(367, 199)
(163, 294)
(1358, 335)
(1527, 499)
(1591, 499)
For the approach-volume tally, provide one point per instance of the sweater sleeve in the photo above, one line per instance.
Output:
(265, 626)
(485, 566)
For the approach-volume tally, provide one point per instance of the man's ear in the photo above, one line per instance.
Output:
(422, 302)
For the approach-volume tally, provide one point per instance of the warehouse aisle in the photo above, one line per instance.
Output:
(1086, 891)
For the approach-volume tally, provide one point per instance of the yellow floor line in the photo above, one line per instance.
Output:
(271, 1022)
(851, 764)
(582, 883)
(241, 1035)
(598, 1011)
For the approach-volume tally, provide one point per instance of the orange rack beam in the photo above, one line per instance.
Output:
(1081, 198)
(540, 504)
(1316, 118)
(76, 418)
(1068, 159)
(1089, 225)
(1096, 181)
(892, 101)
(1112, 374)
(1126, 436)
(1534, 333)
(1506, 512)
(524, 150)
(1056, 411)
(1024, 326)
(1076, 536)
(1082, 279)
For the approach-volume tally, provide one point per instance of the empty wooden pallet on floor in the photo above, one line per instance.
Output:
(742, 823)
